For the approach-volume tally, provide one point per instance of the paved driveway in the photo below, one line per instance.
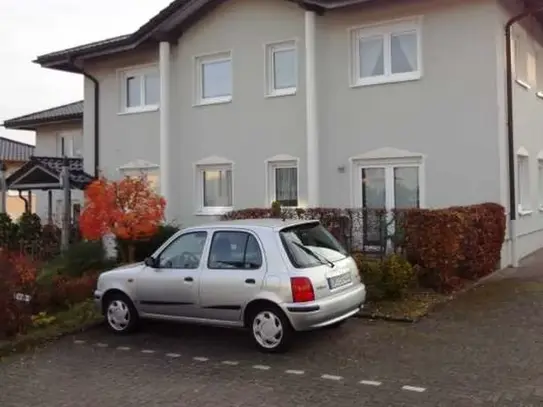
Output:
(483, 349)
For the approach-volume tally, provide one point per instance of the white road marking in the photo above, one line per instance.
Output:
(298, 372)
(123, 348)
(370, 383)
(230, 362)
(413, 388)
(173, 355)
(200, 359)
(147, 351)
(102, 345)
(261, 367)
(79, 342)
(331, 377)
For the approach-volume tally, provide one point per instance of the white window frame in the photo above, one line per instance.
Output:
(142, 167)
(386, 29)
(69, 147)
(211, 164)
(138, 72)
(540, 181)
(199, 61)
(270, 50)
(273, 163)
(523, 184)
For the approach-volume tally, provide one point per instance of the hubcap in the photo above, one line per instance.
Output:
(118, 315)
(267, 329)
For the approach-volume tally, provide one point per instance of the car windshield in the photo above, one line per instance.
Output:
(310, 245)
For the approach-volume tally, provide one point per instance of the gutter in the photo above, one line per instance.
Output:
(96, 115)
(510, 129)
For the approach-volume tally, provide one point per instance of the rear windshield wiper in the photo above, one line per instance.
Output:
(321, 259)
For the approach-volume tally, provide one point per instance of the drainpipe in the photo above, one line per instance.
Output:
(96, 116)
(510, 131)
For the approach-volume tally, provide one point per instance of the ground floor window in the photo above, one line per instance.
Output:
(283, 181)
(523, 181)
(214, 188)
(139, 168)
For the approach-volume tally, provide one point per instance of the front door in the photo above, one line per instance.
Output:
(172, 287)
(232, 275)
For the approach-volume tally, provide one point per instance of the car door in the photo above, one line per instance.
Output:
(171, 287)
(232, 275)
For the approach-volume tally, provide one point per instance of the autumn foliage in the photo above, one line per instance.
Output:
(129, 209)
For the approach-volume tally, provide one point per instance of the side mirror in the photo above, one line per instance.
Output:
(150, 262)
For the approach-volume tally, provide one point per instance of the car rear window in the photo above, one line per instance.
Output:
(310, 244)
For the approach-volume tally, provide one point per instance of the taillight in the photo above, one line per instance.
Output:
(302, 289)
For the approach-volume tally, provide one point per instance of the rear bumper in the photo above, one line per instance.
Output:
(318, 314)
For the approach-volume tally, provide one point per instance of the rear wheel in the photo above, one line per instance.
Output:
(121, 315)
(271, 330)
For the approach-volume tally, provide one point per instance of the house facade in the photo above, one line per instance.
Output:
(393, 104)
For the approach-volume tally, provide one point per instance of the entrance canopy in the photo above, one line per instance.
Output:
(45, 173)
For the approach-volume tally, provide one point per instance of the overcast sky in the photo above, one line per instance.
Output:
(29, 28)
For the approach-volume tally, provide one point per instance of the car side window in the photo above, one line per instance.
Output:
(234, 250)
(184, 252)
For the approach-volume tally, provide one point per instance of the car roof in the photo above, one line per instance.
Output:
(270, 223)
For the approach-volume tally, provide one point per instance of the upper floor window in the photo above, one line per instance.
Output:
(140, 89)
(281, 68)
(386, 53)
(214, 78)
(68, 144)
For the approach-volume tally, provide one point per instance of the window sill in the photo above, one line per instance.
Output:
(525, 211)
(139, 110)
(282, 92)
(523, 84)
(540, 208)
(539, 94)
(213, 211)
(381, 80)
(214, 101)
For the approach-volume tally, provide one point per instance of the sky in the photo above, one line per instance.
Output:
(29, 28)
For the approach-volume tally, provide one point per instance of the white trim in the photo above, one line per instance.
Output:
(385, 29)
(523, 84)
(539, 94)
(210, 163)
(198, 62)
(269, 71)
(138, 164)
(523, 152)
(271, 164)
(165, 169)
(136, 71)
(524, 196)
(31, 170)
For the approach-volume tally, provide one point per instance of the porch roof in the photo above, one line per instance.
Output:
(45, 173)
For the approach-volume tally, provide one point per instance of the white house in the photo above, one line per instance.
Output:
(236, 103)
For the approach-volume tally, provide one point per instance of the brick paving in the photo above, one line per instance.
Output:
(482, 349)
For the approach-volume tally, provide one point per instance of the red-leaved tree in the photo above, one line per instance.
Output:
(129, 209)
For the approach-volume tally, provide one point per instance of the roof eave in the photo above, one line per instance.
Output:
(32, 125)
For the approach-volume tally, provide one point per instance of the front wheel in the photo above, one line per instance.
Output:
(271, 330)
(121, 315)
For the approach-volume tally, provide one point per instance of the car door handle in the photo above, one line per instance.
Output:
(250, 281)
(190, 279)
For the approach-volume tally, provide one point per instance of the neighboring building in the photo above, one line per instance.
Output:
(14, 154)
(389, 103)
(59, 132)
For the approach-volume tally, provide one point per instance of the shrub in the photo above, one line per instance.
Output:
(144, 248)
(63, 291)
(8, 231)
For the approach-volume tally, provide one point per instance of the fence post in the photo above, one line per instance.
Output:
(65, 177)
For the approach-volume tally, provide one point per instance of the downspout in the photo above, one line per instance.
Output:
(510, 131)
(96, 116)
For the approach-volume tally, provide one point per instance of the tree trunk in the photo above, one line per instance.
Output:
(131, 253)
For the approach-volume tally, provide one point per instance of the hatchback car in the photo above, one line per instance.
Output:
(271, 276)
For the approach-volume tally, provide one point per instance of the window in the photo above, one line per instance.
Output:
(310, 245)
(540, 180)
(139, 168)
(523, 181)
(234, 250)
(65, 145)
(386, 53)
(283, 182)
(140, 90)
(281, 69)
(214, 189)
(214, 78)
(184, 252)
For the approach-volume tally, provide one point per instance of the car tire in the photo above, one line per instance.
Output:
(121, 316)
(270, 329)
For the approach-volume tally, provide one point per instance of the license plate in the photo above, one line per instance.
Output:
(339, 281)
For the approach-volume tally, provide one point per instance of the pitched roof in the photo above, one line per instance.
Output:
(70, 111)
(169, 23)
(11, 150)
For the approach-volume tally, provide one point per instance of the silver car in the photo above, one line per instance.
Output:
(272, 276)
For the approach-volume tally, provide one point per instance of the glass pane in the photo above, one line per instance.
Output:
(152, 89)
(406, 187)
(286, 186)
(403, 49)
(133, 91)
(374, 201)
(184, 252)
(216, 79)
(227, 250)
(372, 62)
(253, 255)
(217, 188)
(284, 69)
